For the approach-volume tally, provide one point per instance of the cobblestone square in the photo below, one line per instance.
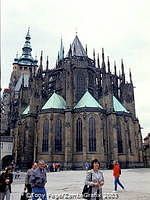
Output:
(70, 184)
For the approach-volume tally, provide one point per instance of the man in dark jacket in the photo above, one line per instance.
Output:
(38, 180)
(6, 179)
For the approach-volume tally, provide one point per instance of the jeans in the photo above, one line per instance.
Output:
(5, 194)
(39, 193)
(117, 181)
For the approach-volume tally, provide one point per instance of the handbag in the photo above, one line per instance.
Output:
(87, 189)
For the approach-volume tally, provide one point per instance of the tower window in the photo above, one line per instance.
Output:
(79, 135)
(92, 135)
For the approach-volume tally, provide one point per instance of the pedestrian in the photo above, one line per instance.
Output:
(6, 178)
(38, 180)
(116, 174)
(27, 178)
(86, 165)
(95, 179)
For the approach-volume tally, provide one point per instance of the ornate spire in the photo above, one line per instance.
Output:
(115, 70)
(26, 58)
(98, 62)
(94, 55)
(86, 49)
(130, 75)
(47, 63)
(70, 51)
(108, 64)
(61, 51)
(103, 61)
(27, 46)
(41, 62)
(122, 69)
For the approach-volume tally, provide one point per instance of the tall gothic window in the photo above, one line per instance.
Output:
(79, 135)
(58, 135)
(119, 138)
(92, 135)
(129, 138)
(80, 85)
(45, 136)
(91, 79)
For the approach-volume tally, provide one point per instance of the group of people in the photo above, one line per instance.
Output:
(54, 167)
(36, 179)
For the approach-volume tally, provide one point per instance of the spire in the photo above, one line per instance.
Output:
(27, 46)
(122, 67)
(94, 55)
(26, 58)
(41, 59)
(47, 63)
(103, 61)
(61, 51)
(130, 75)
(58, 58)
(98, 62)
(108, 63)
(115, 70)
(123, 74)
(86, 49)
(77, 48)
(70, 51)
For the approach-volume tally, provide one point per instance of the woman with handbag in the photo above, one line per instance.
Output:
(94, 181)
(6, 179)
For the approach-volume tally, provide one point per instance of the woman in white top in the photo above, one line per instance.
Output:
(95, 179)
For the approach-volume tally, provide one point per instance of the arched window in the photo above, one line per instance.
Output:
(79, 135)
(58, 135)
(80, 85)
(119, 138)
(91, 79)
(45, 136)
(92, 135)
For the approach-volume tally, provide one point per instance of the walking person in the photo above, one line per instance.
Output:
(116, 174)
(38, 180)
(6, 180)
(95, 179)
(27, 178)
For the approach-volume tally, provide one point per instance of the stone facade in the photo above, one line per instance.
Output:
(146, 150)
(73, 135)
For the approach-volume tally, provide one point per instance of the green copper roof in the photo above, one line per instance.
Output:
(55, 101)
(26, 111)
(88, 100)
(118, 106)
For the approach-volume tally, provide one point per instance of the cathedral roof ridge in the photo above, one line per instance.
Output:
(87, 100)
(55, 101)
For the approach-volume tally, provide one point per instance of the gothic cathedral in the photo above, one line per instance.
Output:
(72, 113)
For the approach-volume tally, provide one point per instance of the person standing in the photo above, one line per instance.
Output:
(38, 180)
(27, 178)
(116, 174)
(95, 179)
(6, 179)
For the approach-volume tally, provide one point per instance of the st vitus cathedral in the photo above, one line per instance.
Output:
(73, 113)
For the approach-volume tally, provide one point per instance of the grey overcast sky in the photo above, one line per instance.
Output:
(121, 27)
